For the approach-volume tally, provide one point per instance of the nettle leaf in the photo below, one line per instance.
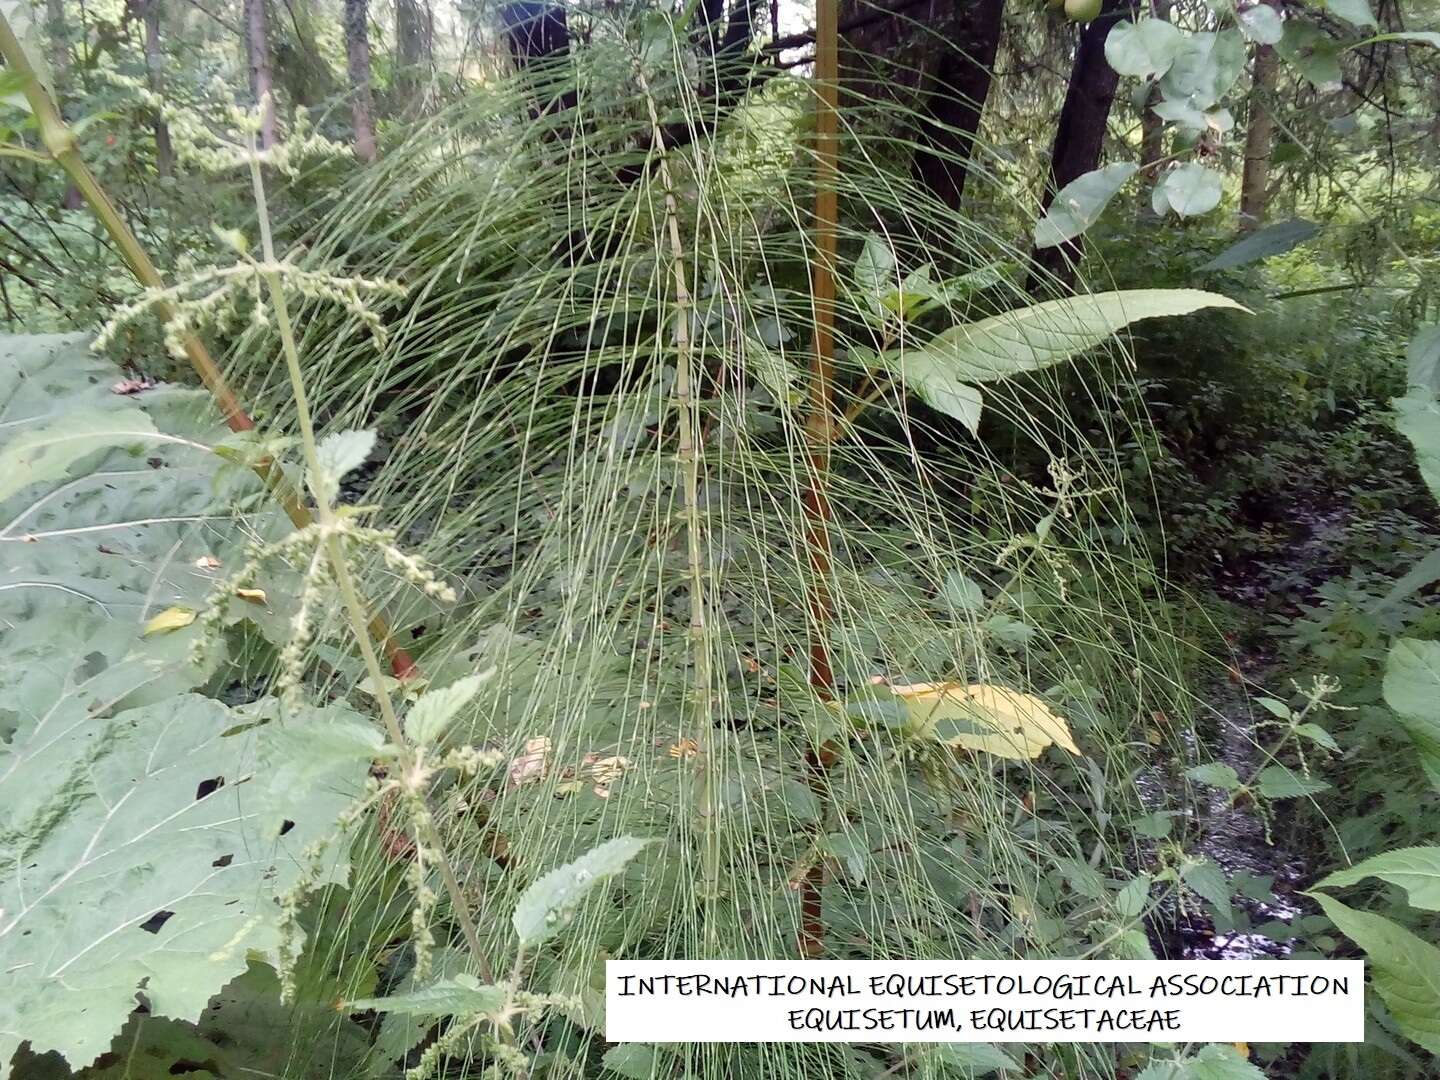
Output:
(1355, 12)
(1145, 49)
(138, 850)
(1261, 24)
(1213, 1062)
(1264, 243)
(1035, 337)
(430, 716)
(460, 995)
(1215, 774)
(1079, 204)
(1412, 689)
(1414, 869)
(339, 453)
(1206, 879)
(1404, 969)
(1278, 782)
(548, 905)
(1191, 189)
(975, 1059)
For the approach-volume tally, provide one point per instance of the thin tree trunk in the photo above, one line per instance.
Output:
(155, 73)
(962, 83)
(1152, 126)
(414, 48)
(1259, 138)
(357, 58)
(1079, 136)
(262, 74)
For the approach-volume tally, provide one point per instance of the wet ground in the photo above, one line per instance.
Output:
(1273, 584)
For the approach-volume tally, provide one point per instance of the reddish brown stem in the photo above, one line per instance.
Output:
(820, 433)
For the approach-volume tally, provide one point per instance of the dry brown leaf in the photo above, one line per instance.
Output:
(255, 596)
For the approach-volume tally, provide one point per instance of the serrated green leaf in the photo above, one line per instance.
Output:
(1215, 774)
(1038, 336)
(1206, 879)
(1131, 900)
(460, 995)
(874, 274)
(1414, 869)
(637, 1061)
(1213, 1062)
(1404, 969)
(1412, 690)
(430, 716)
(1278, 782)
(974, 1059)
(548, 905)
(1318, 735)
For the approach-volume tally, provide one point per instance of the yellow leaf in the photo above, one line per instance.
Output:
(255, 596)
(1244, 1049)
(1009, 724)
(169, 620)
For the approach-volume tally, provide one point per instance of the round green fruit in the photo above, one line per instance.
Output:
(1081, 11)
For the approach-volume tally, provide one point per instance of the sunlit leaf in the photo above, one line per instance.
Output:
(460, 995)
(982, 717)
(1412, 689)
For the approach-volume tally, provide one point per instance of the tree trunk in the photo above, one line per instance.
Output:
(1079, 136)
(1259, 137)
(1152, 127)
(262, 75)
(155, 74)
(357, 62)
(414, 49)
(957, 99)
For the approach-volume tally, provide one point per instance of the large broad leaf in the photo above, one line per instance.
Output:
(113, 511)
(548, 905)
(1190, 189)
(1313, 53)
(1205, 68)
(1145, 49)
(1412, 689)
(991, 719)
(1079, 204)
(1417, 415)
(1414, 869)
(460, 995)
(1355, 12)
(1272, 240)
(1404, 969)
(1038, 336)
(1261, 24)
(1422, 361)
(143, 851)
